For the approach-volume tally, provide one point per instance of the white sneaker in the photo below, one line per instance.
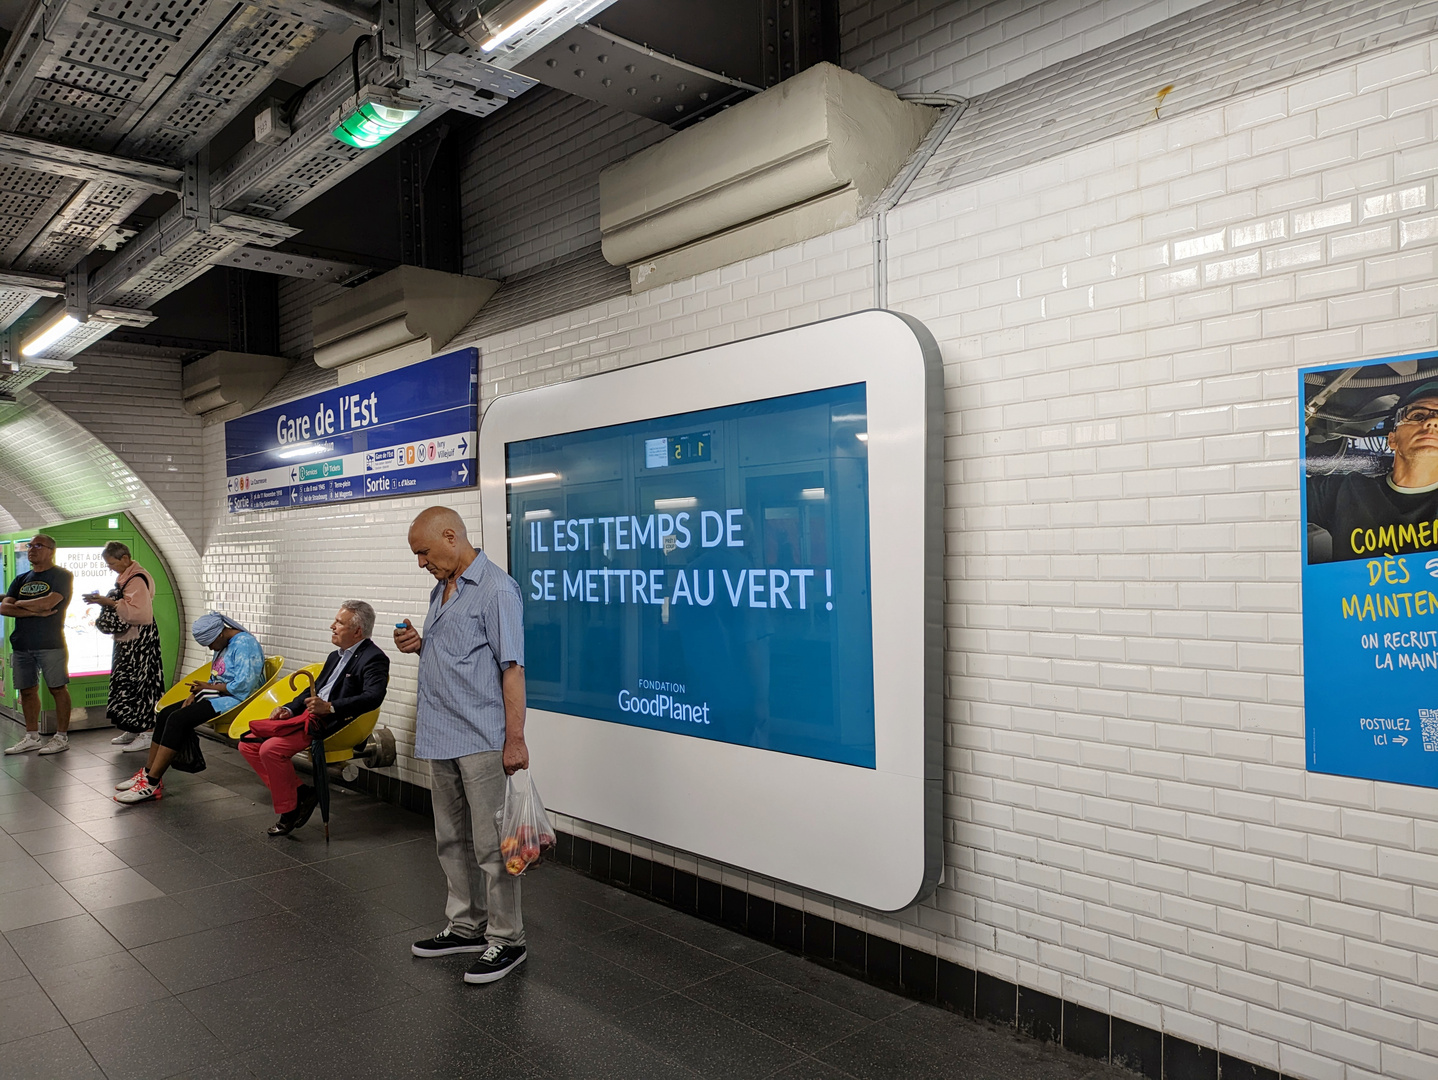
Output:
(31, 741)
(142, 742)
(58, 742)
(142, 790)
(125, 738)
(126, 785)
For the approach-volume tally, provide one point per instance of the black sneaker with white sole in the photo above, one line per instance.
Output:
(447, 943)
(495, 963)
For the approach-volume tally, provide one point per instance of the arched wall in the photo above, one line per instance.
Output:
(53, 469)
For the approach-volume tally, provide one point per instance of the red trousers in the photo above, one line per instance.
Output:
(271, 760)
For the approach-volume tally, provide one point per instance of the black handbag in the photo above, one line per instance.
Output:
(189, 758)
(109, 621)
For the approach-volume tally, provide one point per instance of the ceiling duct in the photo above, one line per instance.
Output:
(801, 159)
(228, 384)
(395, 319)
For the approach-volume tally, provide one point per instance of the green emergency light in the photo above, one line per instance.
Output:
(369, 118)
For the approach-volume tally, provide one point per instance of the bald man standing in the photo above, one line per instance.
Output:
(470, 727)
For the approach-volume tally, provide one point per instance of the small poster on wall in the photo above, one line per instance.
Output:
(1370, 568)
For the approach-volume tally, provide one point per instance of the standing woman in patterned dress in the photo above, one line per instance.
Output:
(136, 672)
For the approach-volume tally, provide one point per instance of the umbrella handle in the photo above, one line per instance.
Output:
(307, 677)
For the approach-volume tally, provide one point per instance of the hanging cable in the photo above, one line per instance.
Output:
(354, 57)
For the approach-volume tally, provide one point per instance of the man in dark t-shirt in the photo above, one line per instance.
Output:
(1355, 516)
(37, 600)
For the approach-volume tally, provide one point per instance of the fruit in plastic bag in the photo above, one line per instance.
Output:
(525, 833)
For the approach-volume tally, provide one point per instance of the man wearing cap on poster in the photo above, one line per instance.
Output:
(1345, 509)
(37, 600)
(469, 725)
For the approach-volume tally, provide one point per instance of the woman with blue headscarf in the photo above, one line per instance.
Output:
(236, 672)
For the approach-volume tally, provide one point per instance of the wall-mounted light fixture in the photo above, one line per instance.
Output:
(371, 116)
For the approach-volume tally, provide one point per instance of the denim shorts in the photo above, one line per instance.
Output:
(53, 663)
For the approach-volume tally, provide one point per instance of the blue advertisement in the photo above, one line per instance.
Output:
(402, 433)
(1370, 569)
(705, 574)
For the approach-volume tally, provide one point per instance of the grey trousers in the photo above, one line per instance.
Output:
(466, 792)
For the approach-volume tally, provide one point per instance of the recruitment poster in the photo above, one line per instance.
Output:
(1370, 568)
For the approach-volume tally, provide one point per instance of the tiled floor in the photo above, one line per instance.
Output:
(176, 939)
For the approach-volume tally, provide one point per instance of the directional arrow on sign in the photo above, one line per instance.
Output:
(1401, 740)
(463, 445)
(463, 473)
(294, 476)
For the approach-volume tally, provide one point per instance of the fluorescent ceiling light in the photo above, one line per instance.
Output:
(537, 515)
(811, 493)
(308, 449)
(533, 478)
(48, 336)
(685, 503)
(862, 436)
(535, 14)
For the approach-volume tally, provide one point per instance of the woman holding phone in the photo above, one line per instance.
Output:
(136, 670)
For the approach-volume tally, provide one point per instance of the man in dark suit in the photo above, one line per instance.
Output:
(352, 682)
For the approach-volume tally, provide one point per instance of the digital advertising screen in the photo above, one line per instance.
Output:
(704, 573)
(91, 652)
(730, 564)
(1370, 568)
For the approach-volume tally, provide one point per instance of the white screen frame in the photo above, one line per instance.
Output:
(871, 836)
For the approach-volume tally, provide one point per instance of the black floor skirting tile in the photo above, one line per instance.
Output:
(883, 962)
(1231, 1068)
(956, 987)
(1183, 1060)
(818, 937)
(1086, 1031)
(919, 973)
(1040, 1015)
(995, 999)
(1137, 1048)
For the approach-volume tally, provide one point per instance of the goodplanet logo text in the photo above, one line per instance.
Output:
(664, 707)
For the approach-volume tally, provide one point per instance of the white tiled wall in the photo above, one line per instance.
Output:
(1128, 821)
(969, 47)
(53, 469)
(133, 405)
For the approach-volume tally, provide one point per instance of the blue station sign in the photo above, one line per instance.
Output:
(402, 433)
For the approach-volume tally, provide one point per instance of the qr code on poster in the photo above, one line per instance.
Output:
(1429, 717)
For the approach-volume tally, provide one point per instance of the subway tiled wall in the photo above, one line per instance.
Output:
(1128, 823)
(969, 47)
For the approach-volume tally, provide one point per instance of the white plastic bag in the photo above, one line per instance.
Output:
(525, 834)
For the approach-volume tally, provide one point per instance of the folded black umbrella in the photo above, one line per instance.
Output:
(317, 755)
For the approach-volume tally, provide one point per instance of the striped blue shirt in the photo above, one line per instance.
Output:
(467, 643)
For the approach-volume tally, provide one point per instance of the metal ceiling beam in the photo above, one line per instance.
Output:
(175, 250)
(329, 14)
(23, 152)
(230, 217)
(275, 181)
(288, 264)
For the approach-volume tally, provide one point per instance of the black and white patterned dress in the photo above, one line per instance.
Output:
(136, 681)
